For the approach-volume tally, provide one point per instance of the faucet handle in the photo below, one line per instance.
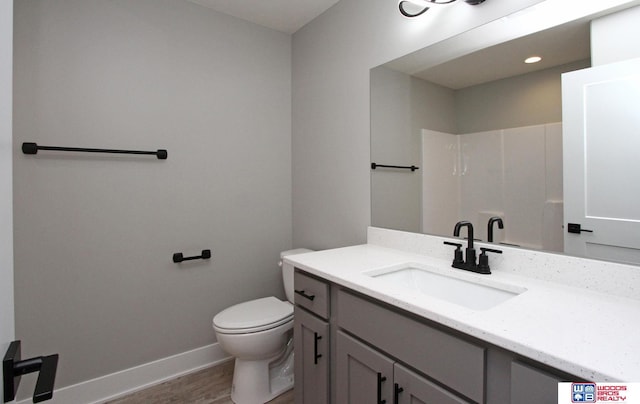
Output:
(457, 255)
(483, 260)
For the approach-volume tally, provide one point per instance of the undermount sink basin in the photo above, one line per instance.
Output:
(453, 289)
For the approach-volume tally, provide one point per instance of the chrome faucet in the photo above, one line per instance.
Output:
(468, 263)
(495, 219)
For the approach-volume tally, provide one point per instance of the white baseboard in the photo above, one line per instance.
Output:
(127, 381)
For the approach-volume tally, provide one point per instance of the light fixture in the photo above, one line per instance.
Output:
(532, 59)
(414, 8)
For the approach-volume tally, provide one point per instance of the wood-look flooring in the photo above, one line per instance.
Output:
(207, 386)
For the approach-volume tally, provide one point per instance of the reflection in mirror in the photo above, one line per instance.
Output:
(485, 130)
(486, 148)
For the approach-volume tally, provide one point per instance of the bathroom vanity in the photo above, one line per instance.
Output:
(367, 331)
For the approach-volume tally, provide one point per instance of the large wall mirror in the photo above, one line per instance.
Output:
(484, 128)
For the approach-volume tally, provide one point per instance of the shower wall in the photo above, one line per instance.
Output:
(513, 173)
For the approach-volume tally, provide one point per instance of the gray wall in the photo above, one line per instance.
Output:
(331, 60)
(524, 100)
(401, 106)
(94, 235)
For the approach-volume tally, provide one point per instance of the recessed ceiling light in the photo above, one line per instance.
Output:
(533, 59)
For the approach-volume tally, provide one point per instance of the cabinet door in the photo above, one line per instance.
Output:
(532, 386)
(363, 375)
(311, 344)
(411, 388)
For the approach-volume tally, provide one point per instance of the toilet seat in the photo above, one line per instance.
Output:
(253, 316)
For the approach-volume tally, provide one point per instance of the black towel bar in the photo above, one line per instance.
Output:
(178, 257)
(32, 148)
(412, 168)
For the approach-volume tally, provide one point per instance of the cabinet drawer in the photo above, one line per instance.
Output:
(312, 294)
(452, 361)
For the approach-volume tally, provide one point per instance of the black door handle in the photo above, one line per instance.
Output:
(13, 367)
(576, 228)
(46, 379)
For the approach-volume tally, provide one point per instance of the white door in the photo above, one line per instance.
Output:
(6, 227)
(601, 142)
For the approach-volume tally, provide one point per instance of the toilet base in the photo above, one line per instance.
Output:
(256, 382)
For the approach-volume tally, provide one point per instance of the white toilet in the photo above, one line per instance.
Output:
(259, 334)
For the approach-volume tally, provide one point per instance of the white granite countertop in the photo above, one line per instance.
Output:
(587, 333)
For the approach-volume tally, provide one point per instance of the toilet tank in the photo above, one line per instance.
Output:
(287, 270)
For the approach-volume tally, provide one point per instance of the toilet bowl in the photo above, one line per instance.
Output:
(259, 334)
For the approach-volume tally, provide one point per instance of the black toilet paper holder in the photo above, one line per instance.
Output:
(178, 257)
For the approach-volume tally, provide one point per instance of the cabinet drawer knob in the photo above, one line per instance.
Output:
(305, 295)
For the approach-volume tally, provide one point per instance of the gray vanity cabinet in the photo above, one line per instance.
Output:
(451, 361)
(364, 375)
(351, 348)
(311, 340)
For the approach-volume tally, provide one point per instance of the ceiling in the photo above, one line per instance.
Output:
(282, 15)
(557, 46)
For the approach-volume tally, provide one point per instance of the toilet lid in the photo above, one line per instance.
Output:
(255, 315)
